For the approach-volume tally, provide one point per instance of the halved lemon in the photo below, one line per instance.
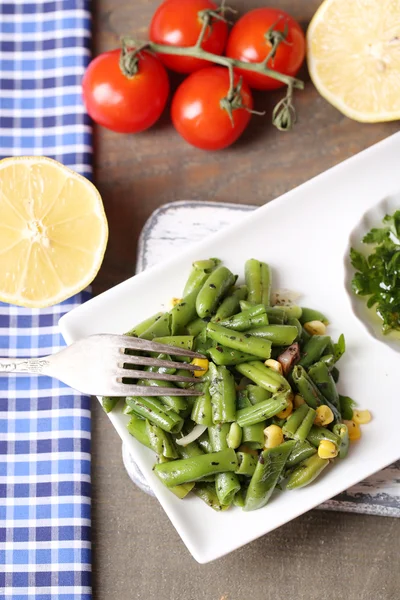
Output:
(53, 232)
(354, 57)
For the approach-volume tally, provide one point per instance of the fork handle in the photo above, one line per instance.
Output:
(36, 366)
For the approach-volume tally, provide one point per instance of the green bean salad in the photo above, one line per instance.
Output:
(269, 415)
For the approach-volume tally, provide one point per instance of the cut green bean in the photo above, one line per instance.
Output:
(223, 394)
(276, 314)
(181, 491)
(177, 341)
(223, 356)
(306, 387)
(309, 314)
(317, 434)
(247, 464)
(346, 407)
(231, 304)
(202, 409)
(195, 327)
(152, 408)
(160, 441)
(296, 323)
(313, 350)
(320, 375)
(300, 452)
(144, 325)
(239, 341)
(340, 429)
(109, 403)
(252, 274)
(227, 485)
(204, 443)
(234, 437)
(160, 328)
(270, 466)
(263, 376)
(263, 410)
(207, 493)
(177, 403)
(266, 284)
(194, 468)
(247, 319)
(335, 374)
(257, 394)
(253, 435)
(299, 423)
(137, 428)
(183, 313)
(239, 498)
(218, 436)
(278, 335)
(213, 290)
(201, 270)
(169, 370)
(192, 449)
(306, 472)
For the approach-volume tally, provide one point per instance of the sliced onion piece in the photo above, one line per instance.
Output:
(196, 432)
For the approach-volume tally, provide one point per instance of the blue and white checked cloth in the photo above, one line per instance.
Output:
(44, 426)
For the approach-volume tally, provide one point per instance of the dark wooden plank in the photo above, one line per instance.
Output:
(137, 553)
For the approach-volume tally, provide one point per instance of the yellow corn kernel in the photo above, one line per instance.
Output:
(361, 417)
(200, 362)
(327, 449)
(286, 412)
(354, 430)
(273, 436)
(323, 416)
(247, 450)
(274, 365)
(298, 401)
(175, 301)
(315, 327)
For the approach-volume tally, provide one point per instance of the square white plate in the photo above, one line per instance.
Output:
(304, 236)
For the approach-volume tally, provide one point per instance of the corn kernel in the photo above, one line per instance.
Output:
(274, 365)
(327, 449)
(247, 450)
(200, 362)
(354, 430)
(323, 416)
(315, 327)
(298, 401)
(175, 301)
(273, 436)
(361, 417)
(286, 412)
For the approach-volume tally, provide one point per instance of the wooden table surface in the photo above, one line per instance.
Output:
(137, 553)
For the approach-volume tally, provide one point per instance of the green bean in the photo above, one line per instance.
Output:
(266, 475)
(177, 341)
(313, 350)
(299, 423)
(329, 360)
(346, 407)
(204, 443)
(276, 314)
(168, 370)
(201, 270)
(183, 313)
(257, 394)
(177, 403)
(160, 328)
(340, 429)
(213, 290)
(265, 284)
(296, 323)
(263, 376)
(227, 485)
(137, 428)
(335, 374)
(305, 337)
(306, 387)
(181, 491)
(253, 435)
(317, 434)
(202, 409)
(239, 498)
(195, 327)
(127, 409)
(222, 356)
(234, 437)
(252, 274)
(309, 314)
(300, 452)
(202, 343)
(263, 410)
(108, 403)
(239, 341)
(223, 394)
(151, 408)
(218, 436)
(247, 319)
(207, 493)
(306, 472)
(192, 449)
(231, 305)
(247, 464)
(319, 373)
(194, 468)
(144, 325)
(278, 335)
(160, 441)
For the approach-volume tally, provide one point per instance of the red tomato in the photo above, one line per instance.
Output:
(125, 104)
(247, 42)
(177, 23)
(197, 113)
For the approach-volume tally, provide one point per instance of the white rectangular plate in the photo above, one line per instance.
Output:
(303, 236)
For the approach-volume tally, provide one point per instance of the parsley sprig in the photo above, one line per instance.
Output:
(378, 274)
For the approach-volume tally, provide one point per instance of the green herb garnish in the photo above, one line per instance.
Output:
(378, 274)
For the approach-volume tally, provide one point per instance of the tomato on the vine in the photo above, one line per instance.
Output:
(179, 23)
(121, 103)
(198, 112)
(249, 41)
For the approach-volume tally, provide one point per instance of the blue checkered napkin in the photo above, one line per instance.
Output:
(44, 425)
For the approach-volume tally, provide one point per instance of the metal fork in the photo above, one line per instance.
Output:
(97, 365)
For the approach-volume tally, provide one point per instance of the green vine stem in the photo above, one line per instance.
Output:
(283, 116)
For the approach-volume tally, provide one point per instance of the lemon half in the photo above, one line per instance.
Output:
(354, 57)
(53, 232)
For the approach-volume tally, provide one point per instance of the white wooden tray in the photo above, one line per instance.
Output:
(170, 229)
